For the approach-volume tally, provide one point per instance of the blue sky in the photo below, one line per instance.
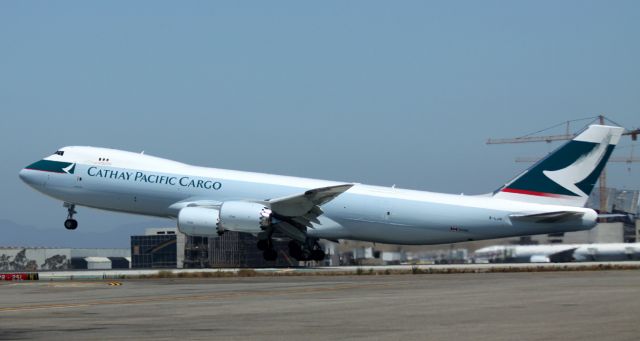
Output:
(379, 92)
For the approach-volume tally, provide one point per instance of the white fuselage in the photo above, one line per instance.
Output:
(546, 253)
(136, 183)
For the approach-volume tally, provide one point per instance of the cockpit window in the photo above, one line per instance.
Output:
(60, 152)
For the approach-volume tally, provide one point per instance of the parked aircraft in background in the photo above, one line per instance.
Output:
(547, 198)
(556, 253)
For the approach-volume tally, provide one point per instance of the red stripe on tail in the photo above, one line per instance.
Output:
(524, 191)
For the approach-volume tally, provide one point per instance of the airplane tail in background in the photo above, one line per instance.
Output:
(566, 176)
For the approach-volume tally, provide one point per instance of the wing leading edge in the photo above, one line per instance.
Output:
(304, 209)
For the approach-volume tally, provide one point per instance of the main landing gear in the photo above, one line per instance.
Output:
(300, 251)
(266, 246)
(70, 223)
(311, 250)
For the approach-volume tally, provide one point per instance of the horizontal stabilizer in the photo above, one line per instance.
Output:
(615, 215)
(547, 217)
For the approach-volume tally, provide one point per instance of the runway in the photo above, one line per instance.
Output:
(483, 306)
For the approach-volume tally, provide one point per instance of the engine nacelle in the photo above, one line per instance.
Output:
(244, 216)
(240, 216)
(199, 221)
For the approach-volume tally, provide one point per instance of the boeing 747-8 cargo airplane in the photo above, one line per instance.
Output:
(547, 198)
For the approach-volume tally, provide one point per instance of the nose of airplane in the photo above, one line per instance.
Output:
(23, 175)
(27, 176)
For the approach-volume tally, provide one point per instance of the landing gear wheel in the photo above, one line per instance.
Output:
(270, 255)
(305, 255)
(263, 244)
(317, 255)
(70, 224)
(295, 250)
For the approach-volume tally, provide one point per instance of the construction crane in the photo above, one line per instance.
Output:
(568, 135)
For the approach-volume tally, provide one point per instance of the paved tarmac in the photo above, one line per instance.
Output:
(594, 305)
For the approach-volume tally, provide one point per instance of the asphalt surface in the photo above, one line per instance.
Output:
(594, 305)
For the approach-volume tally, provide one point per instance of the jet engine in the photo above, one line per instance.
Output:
(238, 216)
(199, 221)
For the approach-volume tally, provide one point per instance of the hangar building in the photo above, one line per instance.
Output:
(169, 248)
(34, 259)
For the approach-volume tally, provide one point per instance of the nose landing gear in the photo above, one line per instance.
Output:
(70, 223)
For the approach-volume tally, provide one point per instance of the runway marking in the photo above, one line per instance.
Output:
(158, 299)
(115, 283)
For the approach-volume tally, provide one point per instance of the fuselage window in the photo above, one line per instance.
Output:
(60, 152)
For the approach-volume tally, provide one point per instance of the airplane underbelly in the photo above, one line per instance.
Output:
(404, 234)
(410, 222)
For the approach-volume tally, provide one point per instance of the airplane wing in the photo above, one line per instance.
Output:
(304, 209)
(546, 217)
(292, 215)
(562, 256)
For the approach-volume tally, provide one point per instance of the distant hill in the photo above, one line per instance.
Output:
(14, 234)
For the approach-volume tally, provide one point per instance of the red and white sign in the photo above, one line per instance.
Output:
(18, 276)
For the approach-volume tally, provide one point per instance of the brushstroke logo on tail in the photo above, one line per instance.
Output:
(579, 170)
(571, 171)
